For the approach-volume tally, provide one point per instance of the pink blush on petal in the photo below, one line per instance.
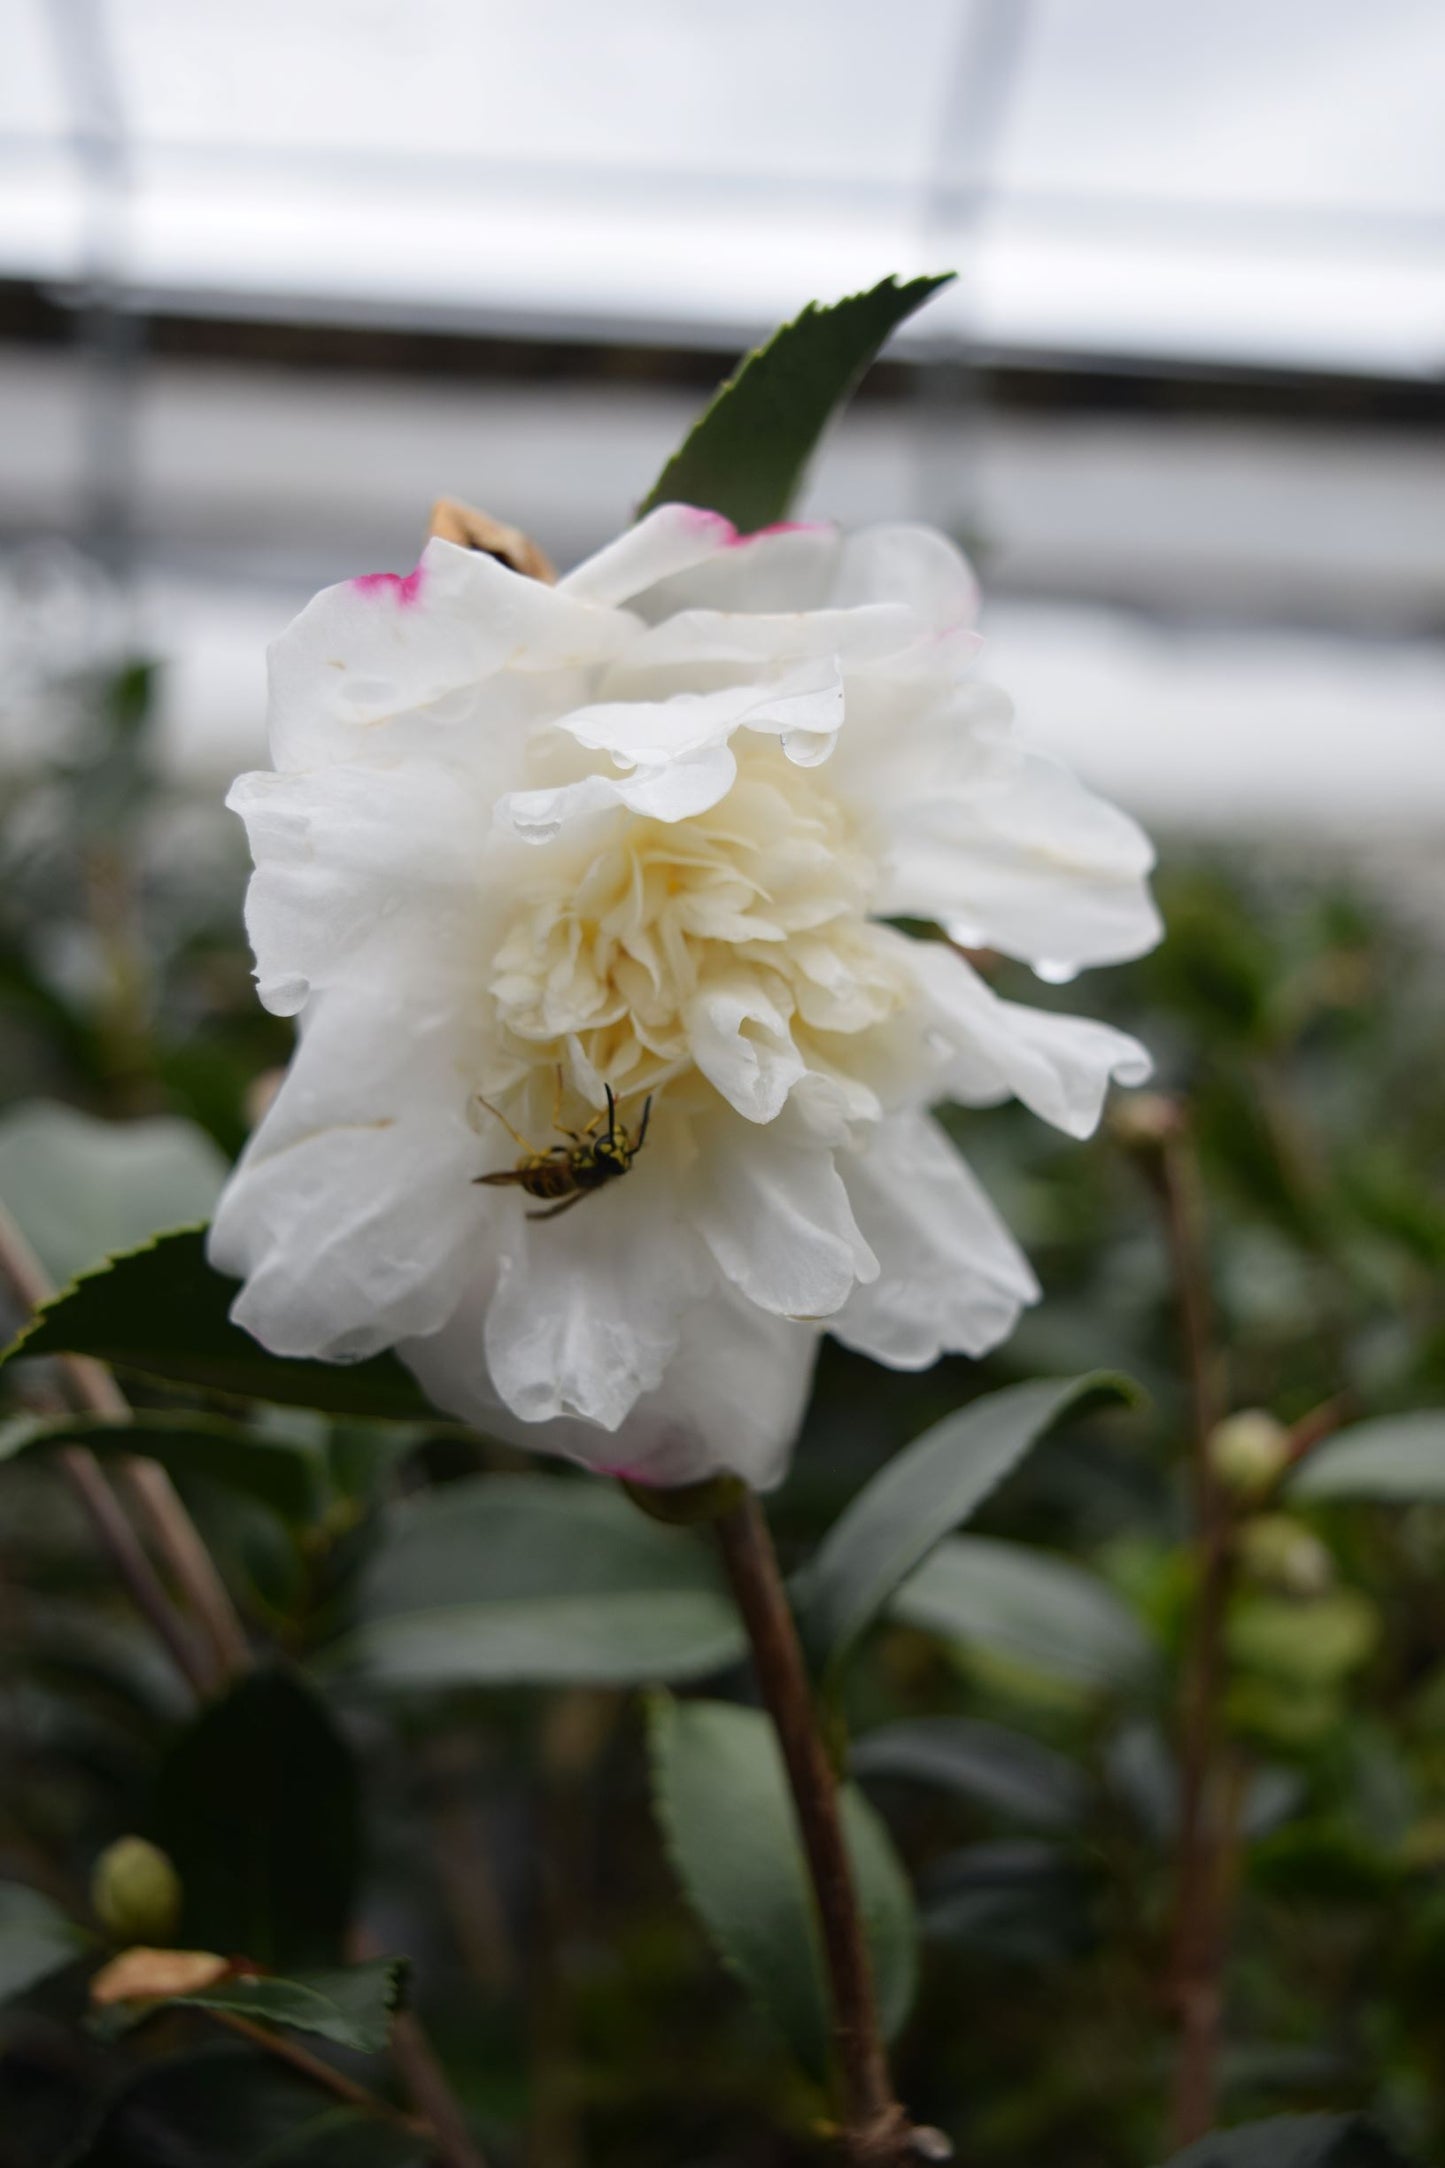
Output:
(404, 588)
(779, 526)
(712, 523)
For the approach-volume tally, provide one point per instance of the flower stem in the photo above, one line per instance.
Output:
(875, 2130)
(320, 2073)
(93, 1389)
(1206, 1840)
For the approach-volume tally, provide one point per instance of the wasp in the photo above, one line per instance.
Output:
(566, 1173)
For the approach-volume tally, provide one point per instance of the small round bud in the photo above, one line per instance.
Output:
(1247, 1451)
(1146, 1121)
(136, 1892)
(1279, 1553)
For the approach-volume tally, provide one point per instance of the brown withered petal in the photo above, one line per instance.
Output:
(474, 530)
(142, 1975)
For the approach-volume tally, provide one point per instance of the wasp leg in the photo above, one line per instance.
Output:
(555, 1211)
(515, 1134)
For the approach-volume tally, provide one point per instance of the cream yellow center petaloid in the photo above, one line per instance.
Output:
(605, 964)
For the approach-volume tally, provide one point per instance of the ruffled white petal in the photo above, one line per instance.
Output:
(1059, 1066)
(952, 1280)
(1006, 848)
(366, 658)
(731, 1399)
(363, 876)
(913, 565)
(803, 710)
(351, 1215)
(774, 1211)
(670, 540)
(696, 645)
(742, 1041)
(781, 568)
(587, 1308)
(679, 790)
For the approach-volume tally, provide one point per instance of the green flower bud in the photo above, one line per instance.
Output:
(1278, 1552)
(1247, 1451)
(1146, 1121)
(136, 1892)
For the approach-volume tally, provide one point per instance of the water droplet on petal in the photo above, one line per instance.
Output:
(1055, 974)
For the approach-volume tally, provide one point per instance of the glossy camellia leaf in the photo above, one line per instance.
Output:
(1294, 2141)
(929, 1488)
(746, 456)
(727, 1817)
(1020, 1901)
(999, 1768)
(162, 1312)
(258, 1809)
(539, 1580)
(351, 2006)
(277, 1471)
(232, 2106)
(1028, 1607)
(1397, 1457)
(81, 1189)
(36, 1938)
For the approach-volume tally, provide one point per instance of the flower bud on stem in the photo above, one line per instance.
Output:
(875, 2130)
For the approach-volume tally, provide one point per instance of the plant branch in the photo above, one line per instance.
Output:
(93, 1389)
(132, 1563)
(876, 2131)
(320, 2073)
(1204, 1870)
(421, 2072)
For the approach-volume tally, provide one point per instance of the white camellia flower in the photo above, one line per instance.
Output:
(642, 833)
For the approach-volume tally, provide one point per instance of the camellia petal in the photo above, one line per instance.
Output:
(613, 1081)
(950, 1274)
(344, 1216)
(1059, 1066)
(774, 1211)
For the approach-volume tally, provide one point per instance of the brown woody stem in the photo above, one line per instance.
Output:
(1204, 1875)
(311, 2066)
(93, 1389)
(875, 2129)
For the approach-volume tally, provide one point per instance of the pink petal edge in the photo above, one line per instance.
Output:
(403, 588)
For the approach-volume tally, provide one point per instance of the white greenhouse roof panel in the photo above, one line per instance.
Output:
(1111, 178)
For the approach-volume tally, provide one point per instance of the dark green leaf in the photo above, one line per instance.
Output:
(161, 1311)
(1023, 1903)
(1396, 1457)
(230, 2107)
(1294, 2141)
(351, 2007)
(258, 1810)
(36, 1938)
(81, 1189)
(130, 695)
(929, 1488)
(278, 1471)
(538, 1580)
(746, 456)
(1027, 1606)
(727, 1816)
(1002, 1769)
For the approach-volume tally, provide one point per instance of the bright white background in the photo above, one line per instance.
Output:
(1232, 625)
